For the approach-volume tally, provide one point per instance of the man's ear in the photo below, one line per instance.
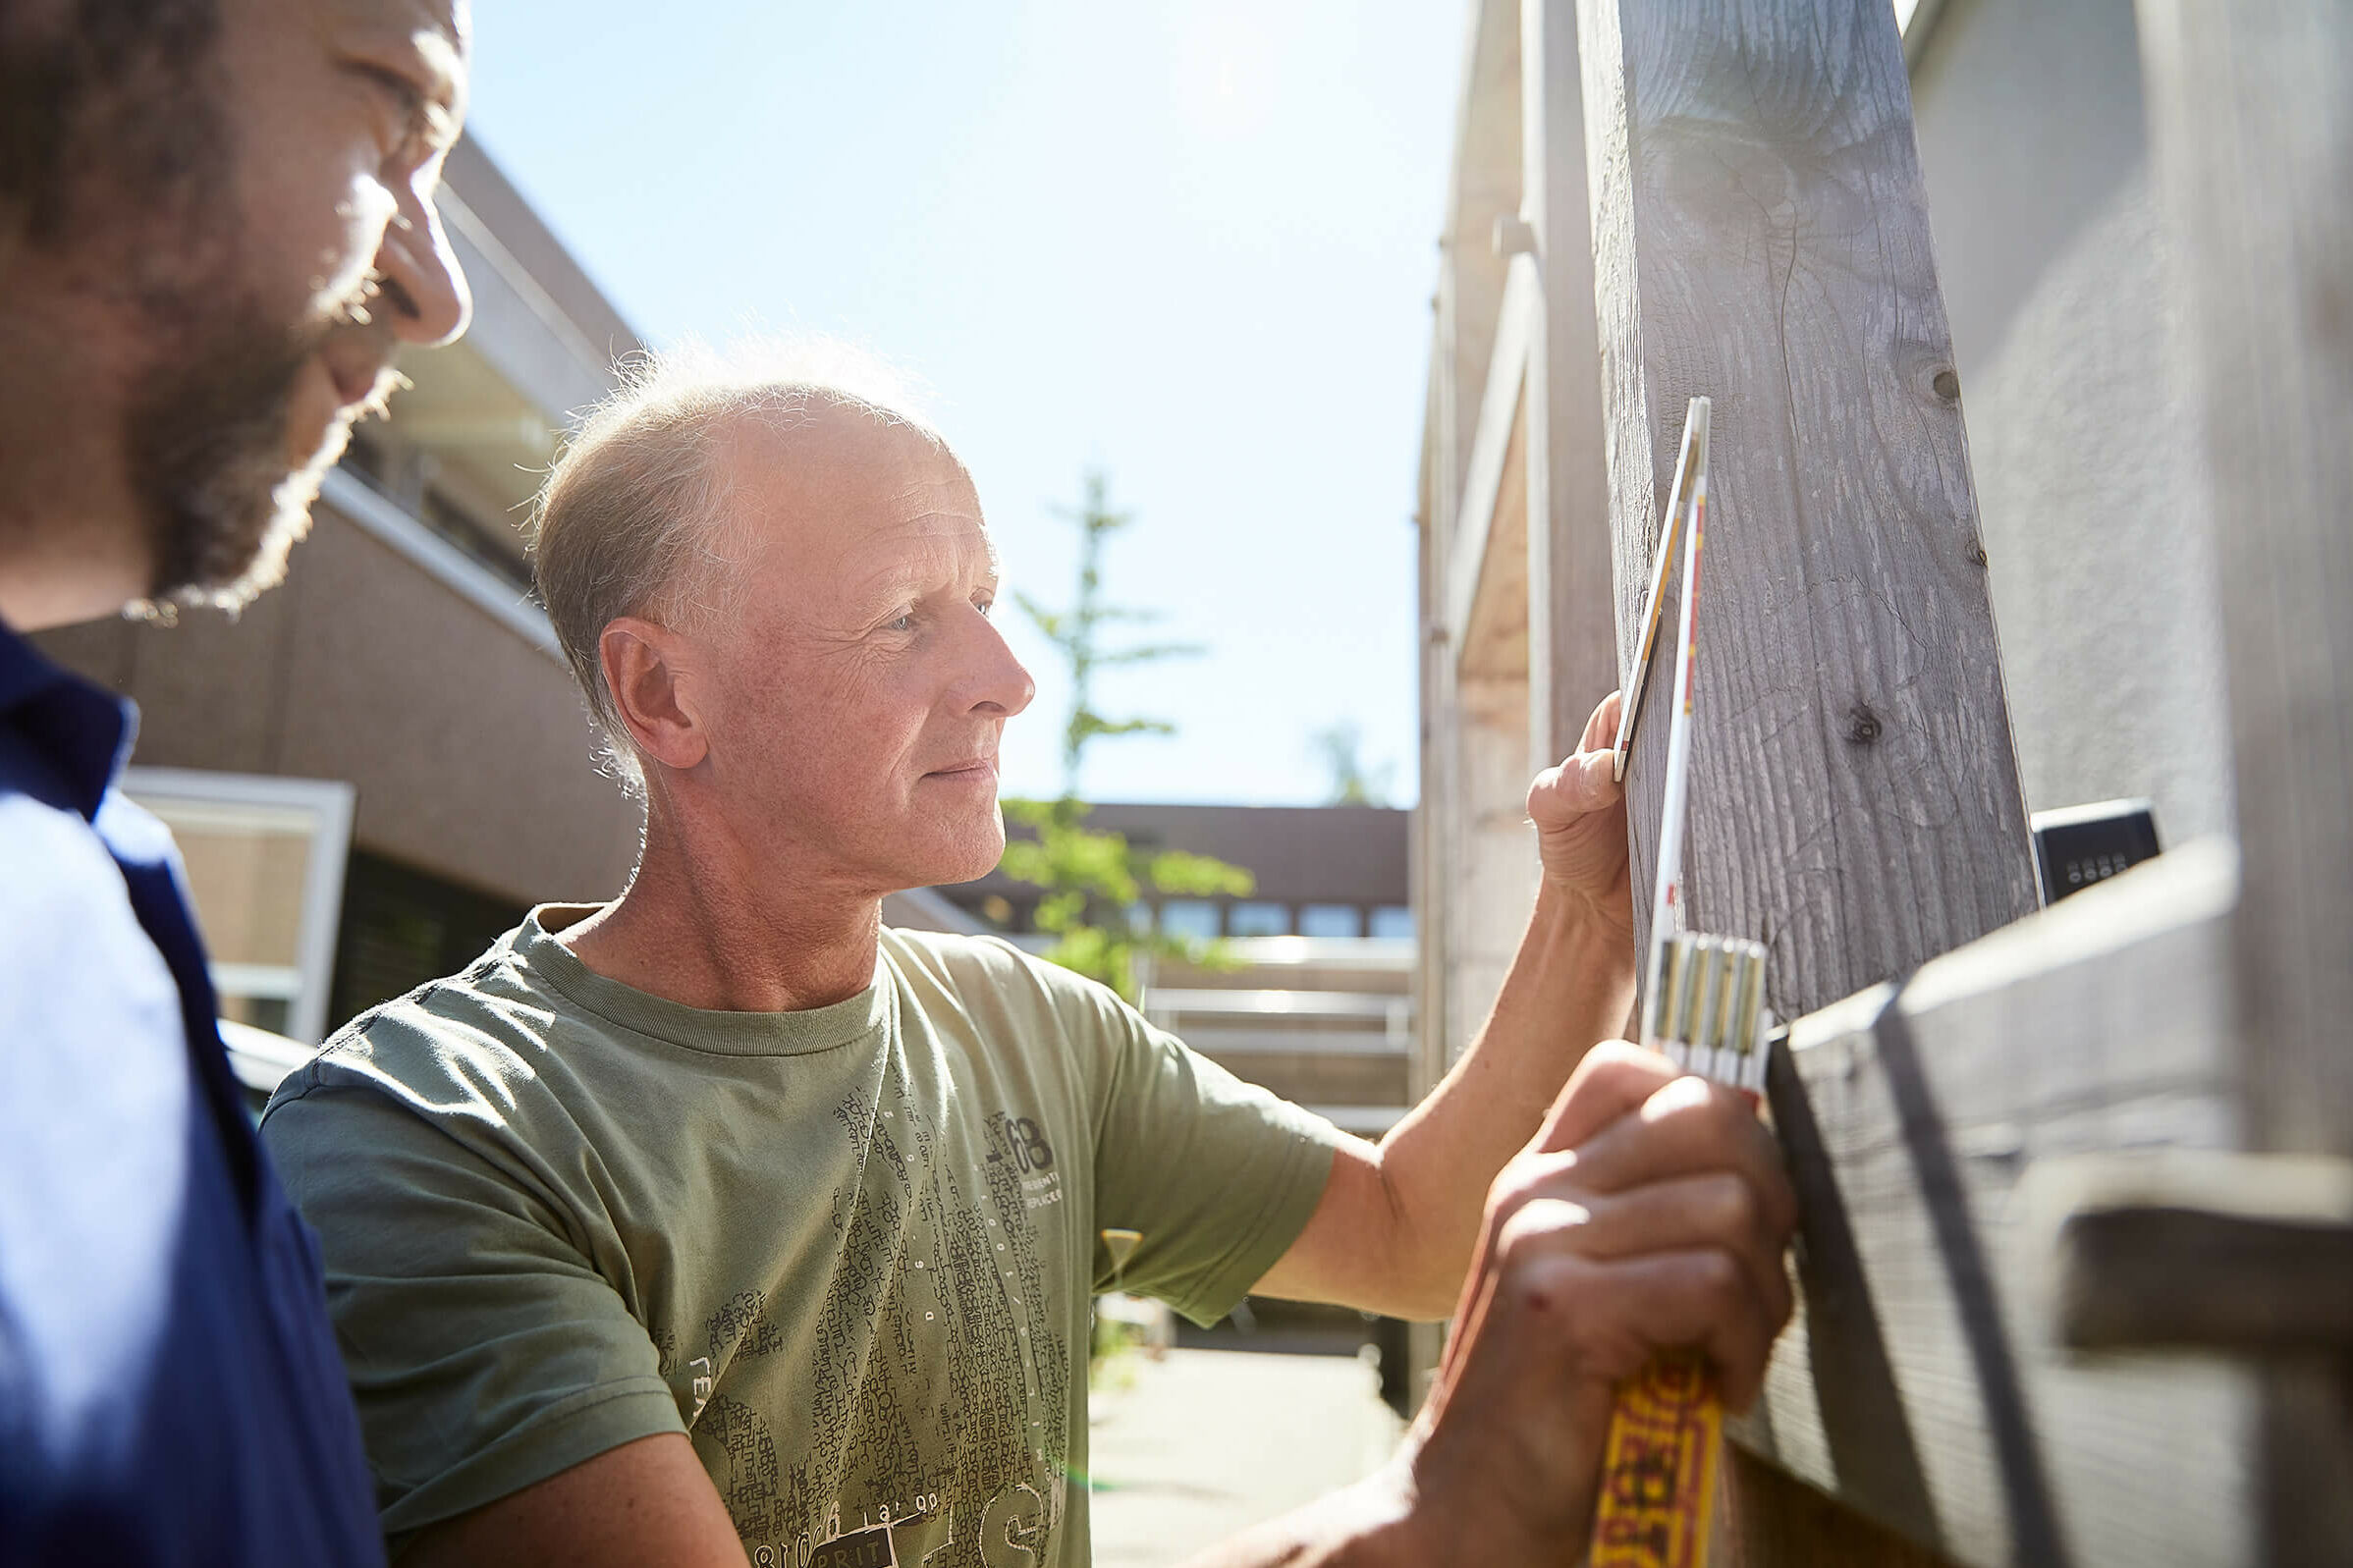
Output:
(647, 671)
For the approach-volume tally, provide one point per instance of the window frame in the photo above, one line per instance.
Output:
(329, 803)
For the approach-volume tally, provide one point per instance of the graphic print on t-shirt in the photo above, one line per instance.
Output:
(939, 1369)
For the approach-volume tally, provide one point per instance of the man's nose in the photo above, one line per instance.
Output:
(1005, 682)
(430, 302)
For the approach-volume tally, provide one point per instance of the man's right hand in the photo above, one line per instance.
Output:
(1648, 1213)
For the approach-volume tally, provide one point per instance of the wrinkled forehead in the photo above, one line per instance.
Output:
(823, 483)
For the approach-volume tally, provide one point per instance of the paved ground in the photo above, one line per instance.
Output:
(1203, 1443)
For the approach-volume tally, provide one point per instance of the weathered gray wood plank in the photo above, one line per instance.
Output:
(1761, 236)
(1572, 625)
(2247, 1253)
(1922, 1381)
(2252, 130)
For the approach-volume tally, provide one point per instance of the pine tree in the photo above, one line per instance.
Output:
(1092, 881)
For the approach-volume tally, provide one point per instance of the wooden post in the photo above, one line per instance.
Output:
(2250, 109)
(1761, 236)
(1572, 633)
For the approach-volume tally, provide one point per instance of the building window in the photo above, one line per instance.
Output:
(1258, 920)
(1330, 920)
(403, 927)
(1393, 923)
(1194, 918)
(265, 863)
(407, 482)
(458, 525)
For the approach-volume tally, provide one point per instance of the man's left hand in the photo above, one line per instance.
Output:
(1579, 812)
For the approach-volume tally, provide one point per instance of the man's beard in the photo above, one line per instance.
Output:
(209, 461)
(119, 148)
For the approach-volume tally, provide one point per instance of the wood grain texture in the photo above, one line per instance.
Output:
(1924, 1382)
(2188, 1276)
(1787, 1521)
(2252, 132)
(1761, 236)
(1572, 628)
(2253, 122)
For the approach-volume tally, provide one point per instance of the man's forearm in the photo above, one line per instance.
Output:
(1572, 984)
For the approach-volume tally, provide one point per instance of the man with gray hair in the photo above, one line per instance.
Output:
(720, 1222)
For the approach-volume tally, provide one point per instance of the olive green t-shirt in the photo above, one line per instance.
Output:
(849, 1251)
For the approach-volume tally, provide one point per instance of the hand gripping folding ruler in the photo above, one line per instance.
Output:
(1703, 1006)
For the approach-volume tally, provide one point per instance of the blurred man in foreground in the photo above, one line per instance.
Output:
(215, 226)
(720, 1222)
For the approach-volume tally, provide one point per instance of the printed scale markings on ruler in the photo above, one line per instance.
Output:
(1704, 1008)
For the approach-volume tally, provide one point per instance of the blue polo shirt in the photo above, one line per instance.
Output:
(170, 1390)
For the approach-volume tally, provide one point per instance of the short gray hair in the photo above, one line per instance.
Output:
(631, 518)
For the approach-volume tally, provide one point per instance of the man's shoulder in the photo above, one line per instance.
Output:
(464, 1044)
(96, 1074)
(72, 949)
(954, 952)
(981, 969)
(54, 857)
(114, 1171)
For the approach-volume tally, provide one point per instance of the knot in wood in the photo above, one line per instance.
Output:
(1947, 385)
(1862, 725)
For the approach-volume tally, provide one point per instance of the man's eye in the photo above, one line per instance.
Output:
(984, 606)
(395, 86)
(905, 622)
(415, 115)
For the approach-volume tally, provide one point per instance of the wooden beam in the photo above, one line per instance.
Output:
(1483, 472)
(1761, 236)
(1430, 866)
(1572, 629)
(2252, 130)
(2252, 1253)
(1485, 186)
(1924, 1381)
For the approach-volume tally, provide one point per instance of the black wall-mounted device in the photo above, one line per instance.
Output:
(2076, 846)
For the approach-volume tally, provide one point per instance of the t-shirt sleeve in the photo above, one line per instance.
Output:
(1217, 1176)
(486, 1353)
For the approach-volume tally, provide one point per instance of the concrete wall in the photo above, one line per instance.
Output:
(2056, 278)
(466, 743)
(538, 318)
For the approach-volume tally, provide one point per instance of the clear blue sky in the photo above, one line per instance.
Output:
(1191, 241)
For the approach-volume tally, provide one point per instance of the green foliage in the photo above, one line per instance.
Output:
(1094, 879)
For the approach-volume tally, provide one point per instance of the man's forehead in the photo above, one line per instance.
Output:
(839, 455)
(832, 476)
